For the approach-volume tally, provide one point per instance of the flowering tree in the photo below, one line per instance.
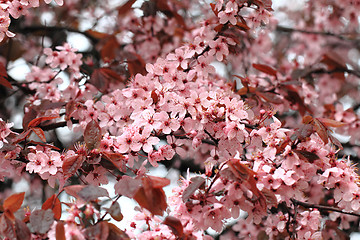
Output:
(252, 139)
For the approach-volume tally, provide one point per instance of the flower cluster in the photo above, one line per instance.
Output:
(257, 136)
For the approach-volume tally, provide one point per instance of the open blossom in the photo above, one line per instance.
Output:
(44, 161)
(4, 131)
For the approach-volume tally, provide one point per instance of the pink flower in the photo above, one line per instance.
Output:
(225, 16)
(164, 123)
(219, 49)
(180, 58)
(97, 176)
(16, 9)
(129, 140)
(148, 141)
(4, 131)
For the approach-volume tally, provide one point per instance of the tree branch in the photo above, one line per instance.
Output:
(291, 30)
(322, 207)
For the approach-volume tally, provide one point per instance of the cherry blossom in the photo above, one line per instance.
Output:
(257, 116)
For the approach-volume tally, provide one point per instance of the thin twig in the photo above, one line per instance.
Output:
(322, 207)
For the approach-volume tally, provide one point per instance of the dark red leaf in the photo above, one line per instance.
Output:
(41, 220)
(117, 159)
(127, 186)
(115, 211)
(40, 133)
(91, 193)
(115, 233)
(22, 230)
(158, 182)
(123, 9)
(3, 76)
(270, 97)
(175, 225)
(73, 190)
(14, 202)
(306, 155)
(72, 164)
(99, 231)
(108, 52)
(54, 204)
(151, 195)
(92, 135)
(136, 66)
(86, 192)
(22, 136)
(321, 130)
(195, 184)
(331, 123)
(60, 231)
(35, 122)
(265, 69)
(335, 141)
(7, 227)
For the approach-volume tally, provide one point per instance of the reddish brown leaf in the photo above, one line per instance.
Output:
(175, 225)
(136, 66)
(60, 231)
(101, 78)
(40, 133)
(86, 192)
(331, 123)
(70, 108)
(3, 76)
(108, 52)
(22, 136)
(304, 132)
(73, 190)
(335, 141)
(92, 135)
(334, 61)
(44, 144)
(306, 155)
(242, 25)
(213, 8)
(127, 186)
(91, 193)
(117, 159)
(195, 184)
(99, 231)
(116, 234)
(14, 202)
(321, 130)
(22, 230)
(72, 164)
(244, 173)
(151, 195)
(7, 228)
(123, 9)
(54, 204)
(270, 197)
(163, 6)
(218, 27)
(115, 211)
(35, 122)
(41, 220)
(154, 97)
(307, 119)
(97, 35)
(270, 97)
(158, 182)
(265, 69)
(294, 98)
